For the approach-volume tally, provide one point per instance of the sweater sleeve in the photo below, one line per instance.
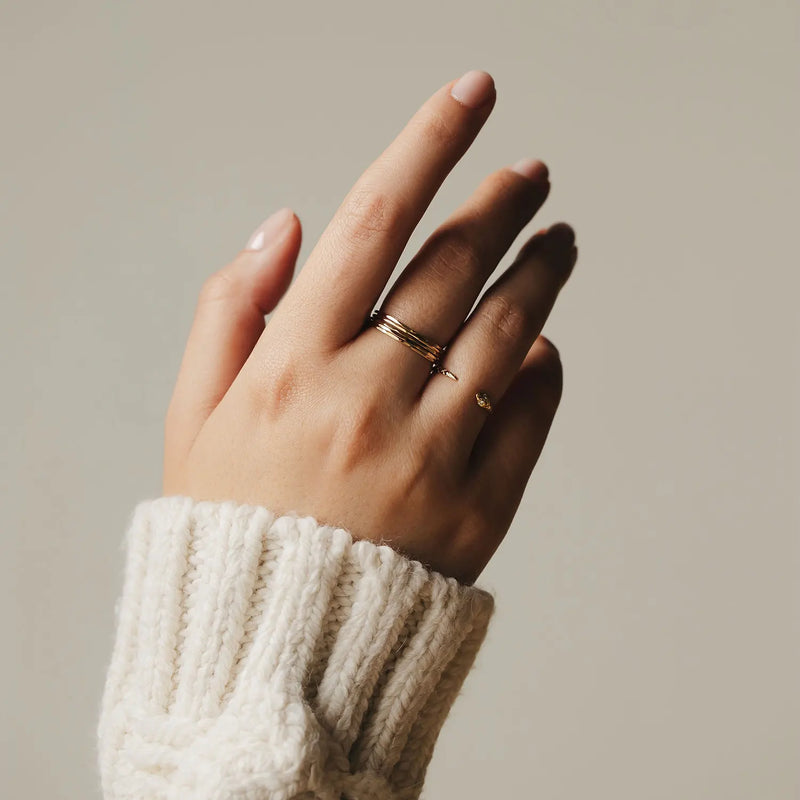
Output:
(265, 657)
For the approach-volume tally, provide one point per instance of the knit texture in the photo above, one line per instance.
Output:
(261, 656)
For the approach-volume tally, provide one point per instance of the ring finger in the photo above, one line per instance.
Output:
(489, 349)
(435, 292)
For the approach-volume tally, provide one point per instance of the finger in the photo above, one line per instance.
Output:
(437, 289)
(228, 322)
(514, 434)
(491, 346)
(356, 254)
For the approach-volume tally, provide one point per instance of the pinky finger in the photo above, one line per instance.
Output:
(512, 439)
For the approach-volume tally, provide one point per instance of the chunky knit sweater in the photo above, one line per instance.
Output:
(266, 657)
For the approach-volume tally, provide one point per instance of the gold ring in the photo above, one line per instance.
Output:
(419, 343)
(426, 347)
(483, 401)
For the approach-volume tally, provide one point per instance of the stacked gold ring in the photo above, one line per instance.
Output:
(403, 333)
(420, 344)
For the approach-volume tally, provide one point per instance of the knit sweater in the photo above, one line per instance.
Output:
(266, 657)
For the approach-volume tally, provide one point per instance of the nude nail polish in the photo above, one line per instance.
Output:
(532, 169)
(269, 229)
(473, 88)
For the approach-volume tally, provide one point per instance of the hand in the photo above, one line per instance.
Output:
(316, 414)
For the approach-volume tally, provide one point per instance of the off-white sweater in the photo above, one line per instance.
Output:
(273, 657)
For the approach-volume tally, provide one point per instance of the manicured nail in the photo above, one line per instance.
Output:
(474, 88)
(269, 229)
(532, 169)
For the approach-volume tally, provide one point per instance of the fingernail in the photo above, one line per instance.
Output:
(562, 234)
(532, 169)
(473, 88)
(268, 229)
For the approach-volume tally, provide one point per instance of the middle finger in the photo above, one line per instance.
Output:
(347, 270)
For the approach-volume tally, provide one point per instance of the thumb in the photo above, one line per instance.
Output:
(228, 322)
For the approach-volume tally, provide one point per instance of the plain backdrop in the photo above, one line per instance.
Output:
(646, 638)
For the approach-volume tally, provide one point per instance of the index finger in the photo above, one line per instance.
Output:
(349, 266)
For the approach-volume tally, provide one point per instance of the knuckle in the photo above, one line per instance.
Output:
(219, 286)
(453, 254)
(370, 212)
(437, 130)
(506, 320)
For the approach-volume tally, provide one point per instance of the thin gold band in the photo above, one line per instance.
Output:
(403, 333)
(428, 349)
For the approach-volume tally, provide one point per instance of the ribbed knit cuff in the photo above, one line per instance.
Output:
(263, 656)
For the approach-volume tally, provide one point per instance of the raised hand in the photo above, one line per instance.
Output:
(319, 413)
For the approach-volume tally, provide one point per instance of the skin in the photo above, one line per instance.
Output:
(313, 413)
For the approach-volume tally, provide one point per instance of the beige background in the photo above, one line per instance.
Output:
(646, 642)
